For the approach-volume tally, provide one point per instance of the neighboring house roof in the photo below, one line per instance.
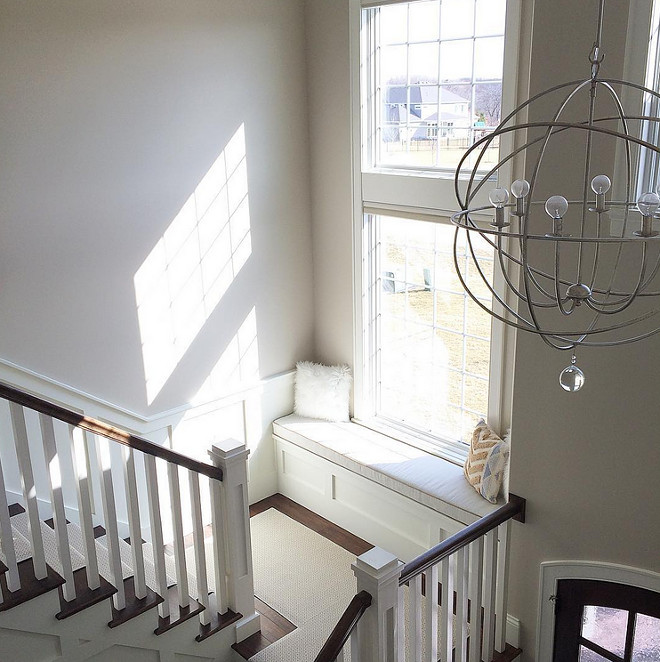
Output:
(445, 116)
(422, 94)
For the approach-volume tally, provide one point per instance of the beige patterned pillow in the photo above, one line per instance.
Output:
(486, 462)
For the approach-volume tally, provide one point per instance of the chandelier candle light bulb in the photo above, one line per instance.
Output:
(647, 204)
(556, 207)
(498, 198)
(600, 185)
(520, 190)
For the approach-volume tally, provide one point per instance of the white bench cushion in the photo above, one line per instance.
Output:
(426, 478)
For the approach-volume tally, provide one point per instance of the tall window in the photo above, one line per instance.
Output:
(431, 85)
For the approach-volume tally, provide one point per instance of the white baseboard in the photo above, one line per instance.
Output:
(512, 631)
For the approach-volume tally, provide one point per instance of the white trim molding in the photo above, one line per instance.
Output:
(91, 405)
(553, 571)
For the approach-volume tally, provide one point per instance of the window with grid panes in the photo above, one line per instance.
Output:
(432, 342)
(433, 63)
(431, 85)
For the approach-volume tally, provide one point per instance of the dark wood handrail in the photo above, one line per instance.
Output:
(515, 509)
(346, 624)
(109, 431)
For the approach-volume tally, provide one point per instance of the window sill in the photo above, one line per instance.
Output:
(453, 452)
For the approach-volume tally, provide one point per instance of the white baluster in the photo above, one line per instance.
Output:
(415, 617)
(110, 521)
(502, 586)
(431, 650)
(219, 546)
(340, 657)
(490, 569)
(80, 463)
(179, 547)
(134, 526)
(156, 533)
(29, 489)
(200, 552)
(401, 635)
(13, 578)
(59, 517)
(354, 645)
(447, 613)
(476, 575)
(231, 456)
(378, 573)
(461, 589)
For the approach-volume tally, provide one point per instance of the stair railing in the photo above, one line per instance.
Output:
(455, 597)
(105, 459)
(345, 631)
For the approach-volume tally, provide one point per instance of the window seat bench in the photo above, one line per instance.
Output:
(342, 467)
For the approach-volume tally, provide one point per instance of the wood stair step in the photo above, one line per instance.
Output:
(85, 597)
(273, 627)
(178, 614)
(510, 653)
(218, 621)
(15, 509)
(31, 587)
(134, 606)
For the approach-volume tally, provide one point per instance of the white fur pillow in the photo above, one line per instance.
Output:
(322, 391)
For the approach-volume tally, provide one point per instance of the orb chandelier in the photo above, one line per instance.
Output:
(578, 271)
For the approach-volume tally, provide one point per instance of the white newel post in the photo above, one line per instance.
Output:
(231, 456)
(378, 573)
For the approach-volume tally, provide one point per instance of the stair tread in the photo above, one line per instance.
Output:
(21, 524)
(21, 547)
(102, 553)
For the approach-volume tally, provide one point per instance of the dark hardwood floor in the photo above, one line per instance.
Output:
(314, 522)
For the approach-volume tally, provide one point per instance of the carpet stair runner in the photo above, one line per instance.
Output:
(85, 597)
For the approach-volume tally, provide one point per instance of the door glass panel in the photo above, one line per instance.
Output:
(587, 655)
(647, 639)
(605, 627)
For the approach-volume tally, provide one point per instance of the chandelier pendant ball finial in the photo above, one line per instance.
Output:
(601, 255)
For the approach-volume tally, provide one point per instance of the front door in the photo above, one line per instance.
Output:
(598, 621)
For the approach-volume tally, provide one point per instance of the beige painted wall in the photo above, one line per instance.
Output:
(328, 81)
(112, 112)
(587, 463)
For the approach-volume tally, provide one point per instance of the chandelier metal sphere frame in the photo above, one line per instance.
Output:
(577, 281)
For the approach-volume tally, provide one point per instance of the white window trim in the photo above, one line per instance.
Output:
(635, 70)
(430, 198)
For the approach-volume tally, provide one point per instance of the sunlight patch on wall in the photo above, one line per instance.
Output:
(235, 418)
(193, 264)
(238, 366)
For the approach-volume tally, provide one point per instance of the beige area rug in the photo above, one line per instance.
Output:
(308, 579)
(303, 576)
